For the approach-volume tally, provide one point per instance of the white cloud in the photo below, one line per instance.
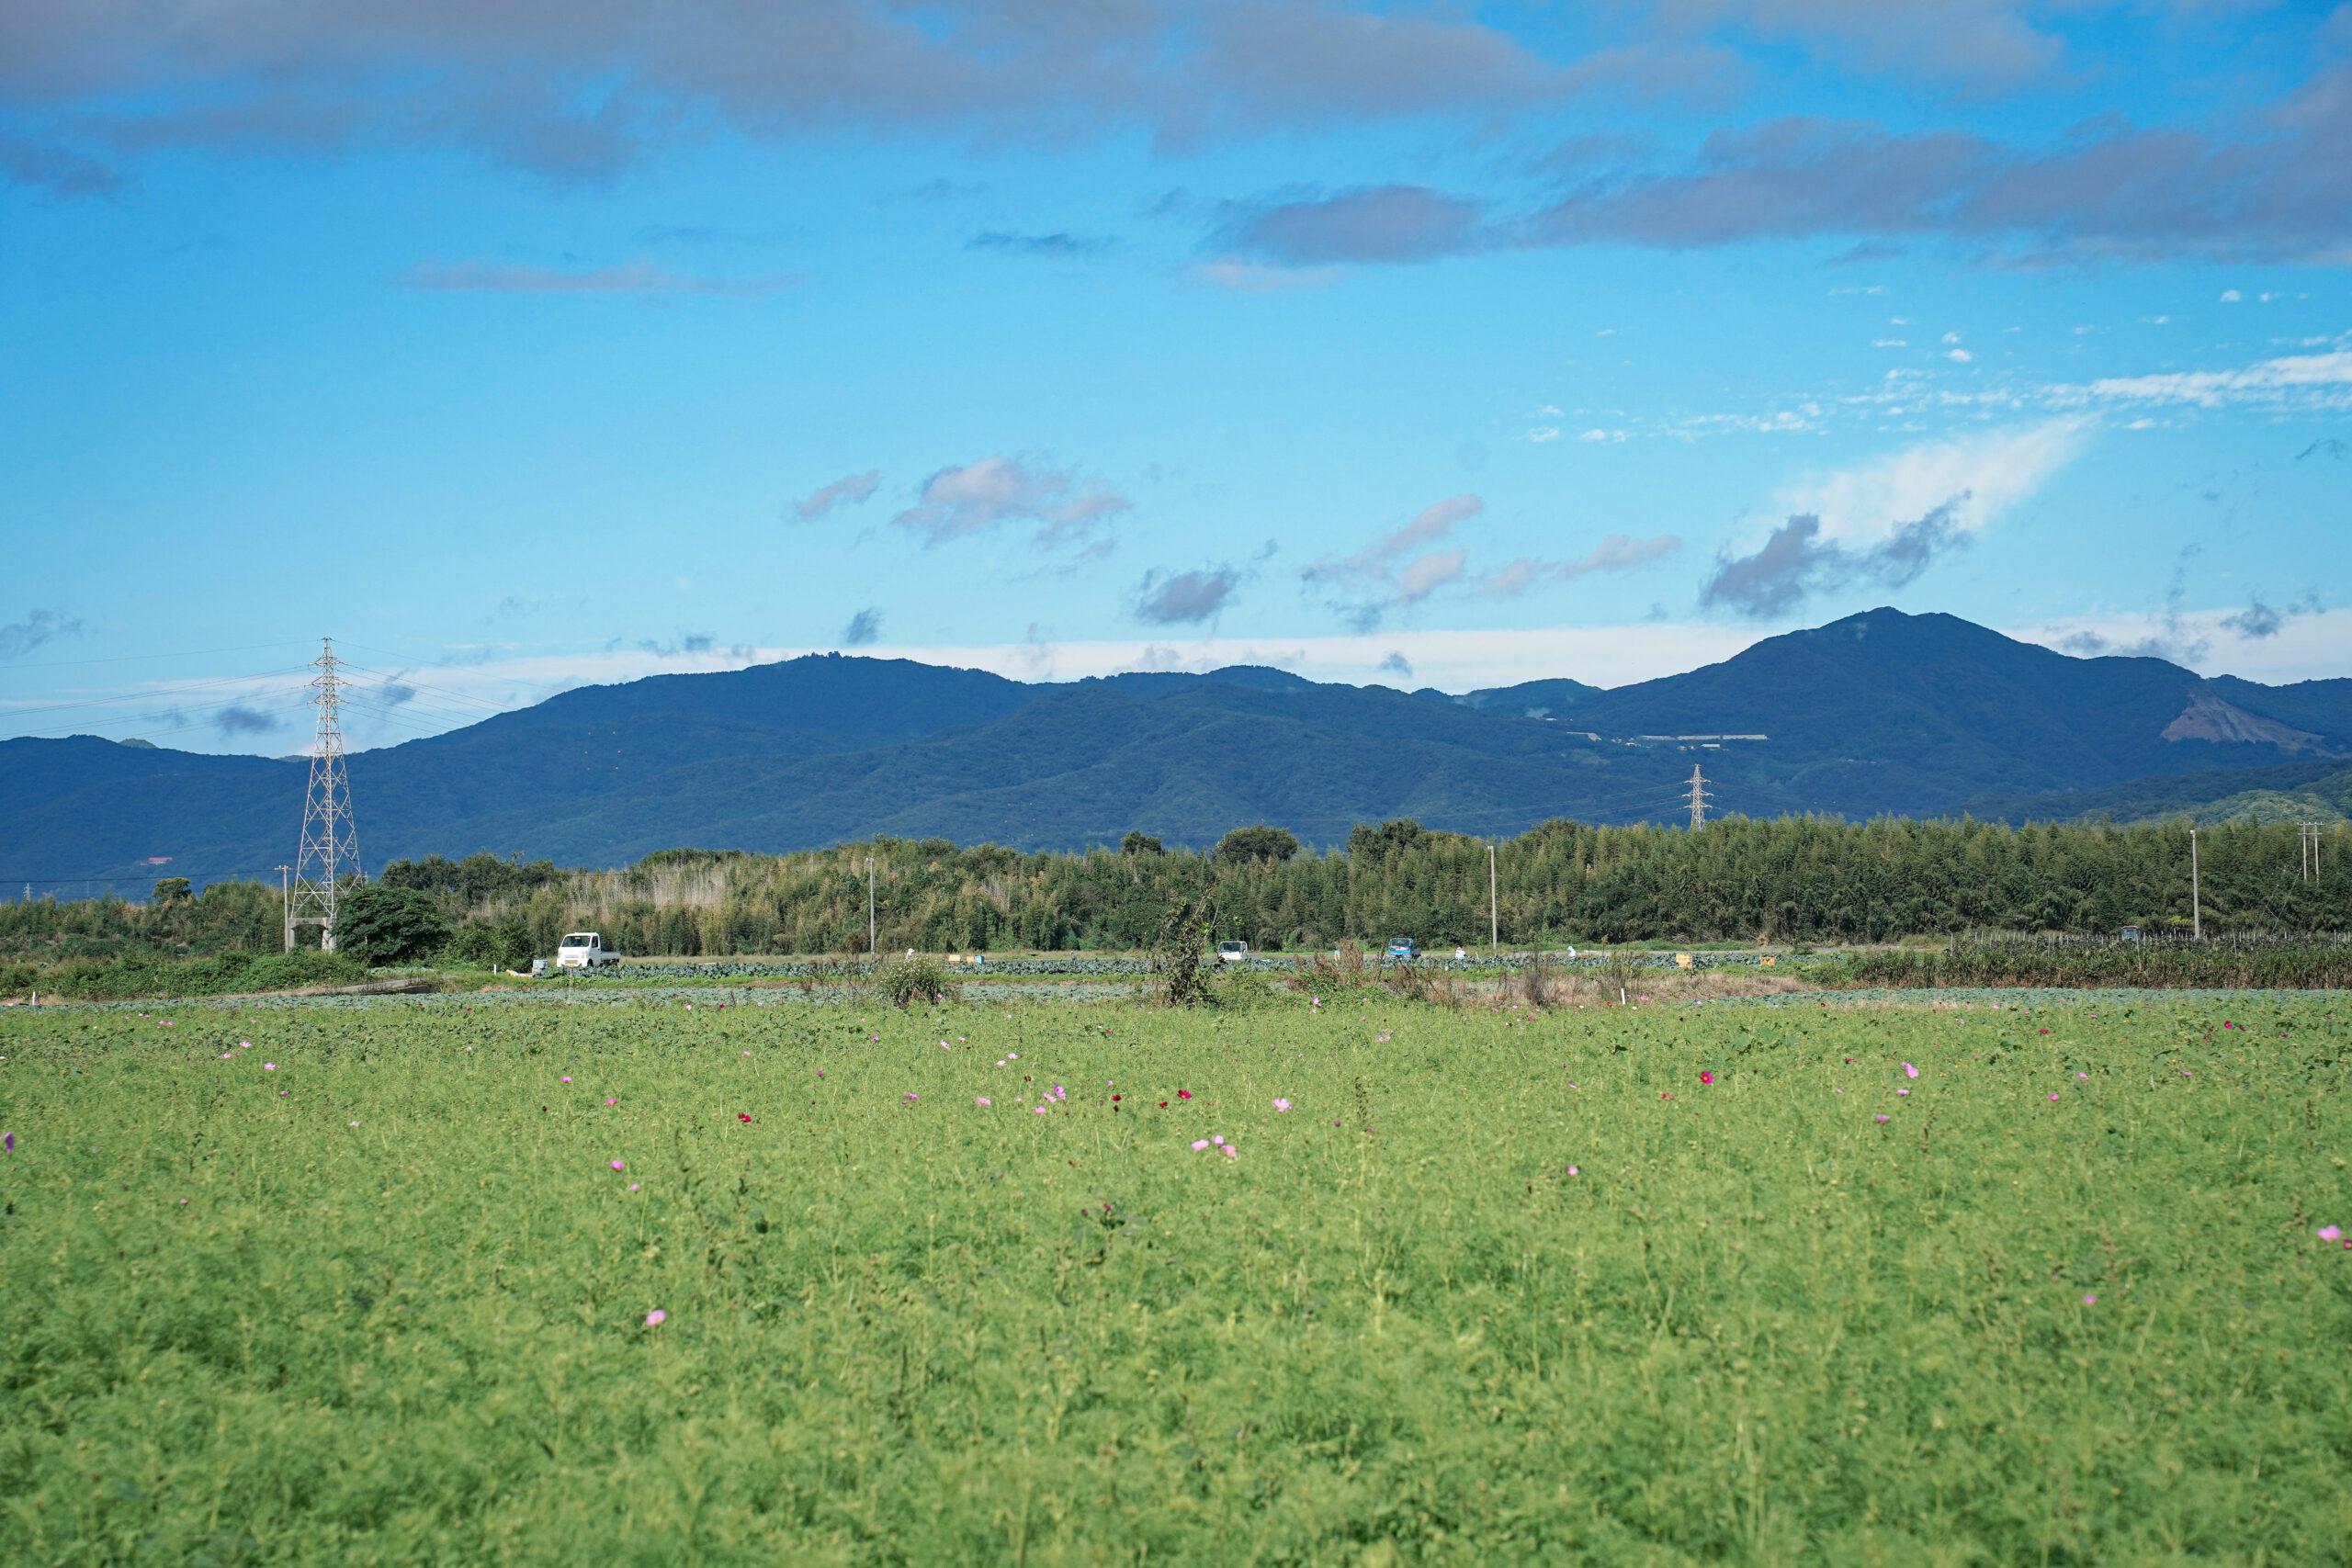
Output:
(957, 501)
(2313, 380)
(1959, 356)
(1430, 573)
(1866, 503)
(1543, 433)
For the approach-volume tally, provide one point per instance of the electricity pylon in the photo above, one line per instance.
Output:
(330, 851)
(1698, 798)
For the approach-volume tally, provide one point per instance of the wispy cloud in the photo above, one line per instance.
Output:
(1185, 598)
(237, 719)
(865, 629)
(1618, 552)
(1971, 481)
(1055, 244)
(1795, 562)
(40, 626)
(957, 501)
(849, 490)
(638, 277)
(1378, 577)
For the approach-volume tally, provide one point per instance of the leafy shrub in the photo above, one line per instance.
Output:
(389, 925)
(503, 944)
(1184, 949)
(905, 981)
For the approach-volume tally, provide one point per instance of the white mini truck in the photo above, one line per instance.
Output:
(583, 949)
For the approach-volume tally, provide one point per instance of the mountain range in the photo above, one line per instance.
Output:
(1878, 713)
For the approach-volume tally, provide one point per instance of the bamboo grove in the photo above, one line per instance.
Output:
(1788, 880)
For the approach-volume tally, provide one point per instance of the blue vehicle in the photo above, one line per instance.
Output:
(1404, 949)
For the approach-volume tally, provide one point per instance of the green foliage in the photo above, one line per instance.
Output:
(501, 943)
(1754, 1326)
(230, 917)
(171, 890)
(2221, 964)
(906, 982)
(135, 974)
(477, 879)
(1244, 845)
(389, 925)
(1137, 844)
(1181, 949)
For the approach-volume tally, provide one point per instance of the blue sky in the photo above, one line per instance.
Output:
(518, 345)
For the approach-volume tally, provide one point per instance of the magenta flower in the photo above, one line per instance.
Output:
(632, 1186)
(1199, 1144)
(1706, 1077)
(567, 1081)
(981, 1098)
(1909, 1071)
(1572, 1170)
(612, 1102)
(1184, 1094)
(1882, 1118)
(272, 1067)
(656, 1319)
(2053, 1096)
(620, 1165)
(1282, 1104)
(1232, 1153)
(1043, 1110)
(2330, 1233)
(2091, 1301)
(2082, 1075)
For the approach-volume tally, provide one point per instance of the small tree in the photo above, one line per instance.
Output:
(171, 890)
(1260, 842)
(1140, 844)
(1180, 952)
(389, 925)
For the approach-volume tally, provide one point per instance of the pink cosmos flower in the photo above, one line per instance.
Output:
(2330, 1233)
(2053, 1096)
(2082, 1075)
(612, 1102)
(632, 1186)
(1043, 1110)
(1706, 1077)
(982, 1098)
(1282, 1104)
(1184, 1094)
(1903, 1091)
(1572, 1170)
(2091, 1301)
(1232, 1153)
(656, 1319)
(1882, 1118)
(270, 1067)
(1199, 1144)
(567, 1081)
(1909, 1071)
(620, 1165)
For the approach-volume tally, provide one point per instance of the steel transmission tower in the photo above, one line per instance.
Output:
(330, 852)
(1698, 798)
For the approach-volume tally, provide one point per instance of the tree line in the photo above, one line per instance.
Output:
(1791, 879)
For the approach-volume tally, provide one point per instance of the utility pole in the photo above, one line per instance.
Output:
(286, 904)
(869, 907)
(1698, 798)
(2196, 902)
(329, 849)
(1493, 909)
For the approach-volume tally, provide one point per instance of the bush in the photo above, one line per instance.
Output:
(1182, 949)
(905, 981)
(389, 925)
(501, 943)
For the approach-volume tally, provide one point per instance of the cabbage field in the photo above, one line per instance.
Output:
(1356, 1281)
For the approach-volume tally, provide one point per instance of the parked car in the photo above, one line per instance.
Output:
(1404, 948)
(583, 949)
(1232, 952)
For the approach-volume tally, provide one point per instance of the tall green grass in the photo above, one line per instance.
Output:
(1497, 1289)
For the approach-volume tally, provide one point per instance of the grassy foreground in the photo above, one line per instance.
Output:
(1493, 1290)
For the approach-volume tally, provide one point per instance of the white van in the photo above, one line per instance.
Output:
(583, 949)
(1232, 952)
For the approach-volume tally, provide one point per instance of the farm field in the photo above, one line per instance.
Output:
(641, 1283)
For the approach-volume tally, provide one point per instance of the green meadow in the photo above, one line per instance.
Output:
(635, 1283)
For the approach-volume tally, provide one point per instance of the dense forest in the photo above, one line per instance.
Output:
(1785, 880)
